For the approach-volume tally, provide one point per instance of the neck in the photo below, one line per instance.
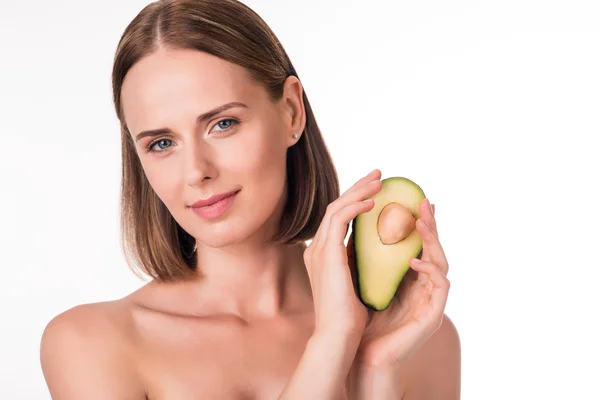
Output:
(254, 281)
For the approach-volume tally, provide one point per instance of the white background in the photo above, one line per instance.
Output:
(491, 106)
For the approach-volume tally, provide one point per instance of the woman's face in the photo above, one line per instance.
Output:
(242, 148)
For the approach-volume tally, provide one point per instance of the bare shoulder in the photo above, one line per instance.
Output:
(86, 353)
(435, 369)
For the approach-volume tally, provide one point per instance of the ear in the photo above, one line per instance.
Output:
(294, 114)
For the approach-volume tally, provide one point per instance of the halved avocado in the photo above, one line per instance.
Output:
(385, 239)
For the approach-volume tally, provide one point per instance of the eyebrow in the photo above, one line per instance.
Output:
(201, 118)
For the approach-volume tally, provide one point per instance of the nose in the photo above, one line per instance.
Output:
(199, 163)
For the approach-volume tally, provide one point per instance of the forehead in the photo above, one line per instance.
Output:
(178, 83)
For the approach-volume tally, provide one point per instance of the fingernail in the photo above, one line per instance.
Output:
(433, 208)
(416, 261)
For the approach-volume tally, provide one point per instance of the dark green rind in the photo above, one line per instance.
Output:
(365, 302)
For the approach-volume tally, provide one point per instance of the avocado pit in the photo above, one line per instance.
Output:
(395, 223)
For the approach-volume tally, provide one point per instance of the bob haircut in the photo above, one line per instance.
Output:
(151, 239)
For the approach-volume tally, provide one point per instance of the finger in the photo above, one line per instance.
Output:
(374, 175)
(350, 195)
(441, 284)
(427, 214)
(432, 248)
(338, 222)
(358, 194)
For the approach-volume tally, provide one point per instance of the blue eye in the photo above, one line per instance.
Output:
(229, 123)
(232, 123)
(151, 145)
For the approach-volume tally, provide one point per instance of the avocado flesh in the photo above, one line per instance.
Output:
(381, 267)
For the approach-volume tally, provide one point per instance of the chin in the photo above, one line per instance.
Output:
(220, 239)
(227, 232)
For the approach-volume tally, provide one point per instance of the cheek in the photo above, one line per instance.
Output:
(260, 168)
(262, 158)
(164, 183)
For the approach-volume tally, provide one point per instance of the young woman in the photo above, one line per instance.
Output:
(225, 179)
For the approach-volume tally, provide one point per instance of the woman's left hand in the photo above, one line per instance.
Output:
(416, 312)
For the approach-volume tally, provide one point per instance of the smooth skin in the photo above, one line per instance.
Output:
(258, 322)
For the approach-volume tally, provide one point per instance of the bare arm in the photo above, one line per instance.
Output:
(374, 384)
(434, 372)
(340, 318)
(82, 358)
(322, 371)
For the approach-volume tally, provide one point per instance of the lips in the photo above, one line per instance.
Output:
(215, 209)
(213, 199)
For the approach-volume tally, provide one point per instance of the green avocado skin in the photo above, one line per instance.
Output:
(415, 251)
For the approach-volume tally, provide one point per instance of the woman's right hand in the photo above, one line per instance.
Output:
(338, 309)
